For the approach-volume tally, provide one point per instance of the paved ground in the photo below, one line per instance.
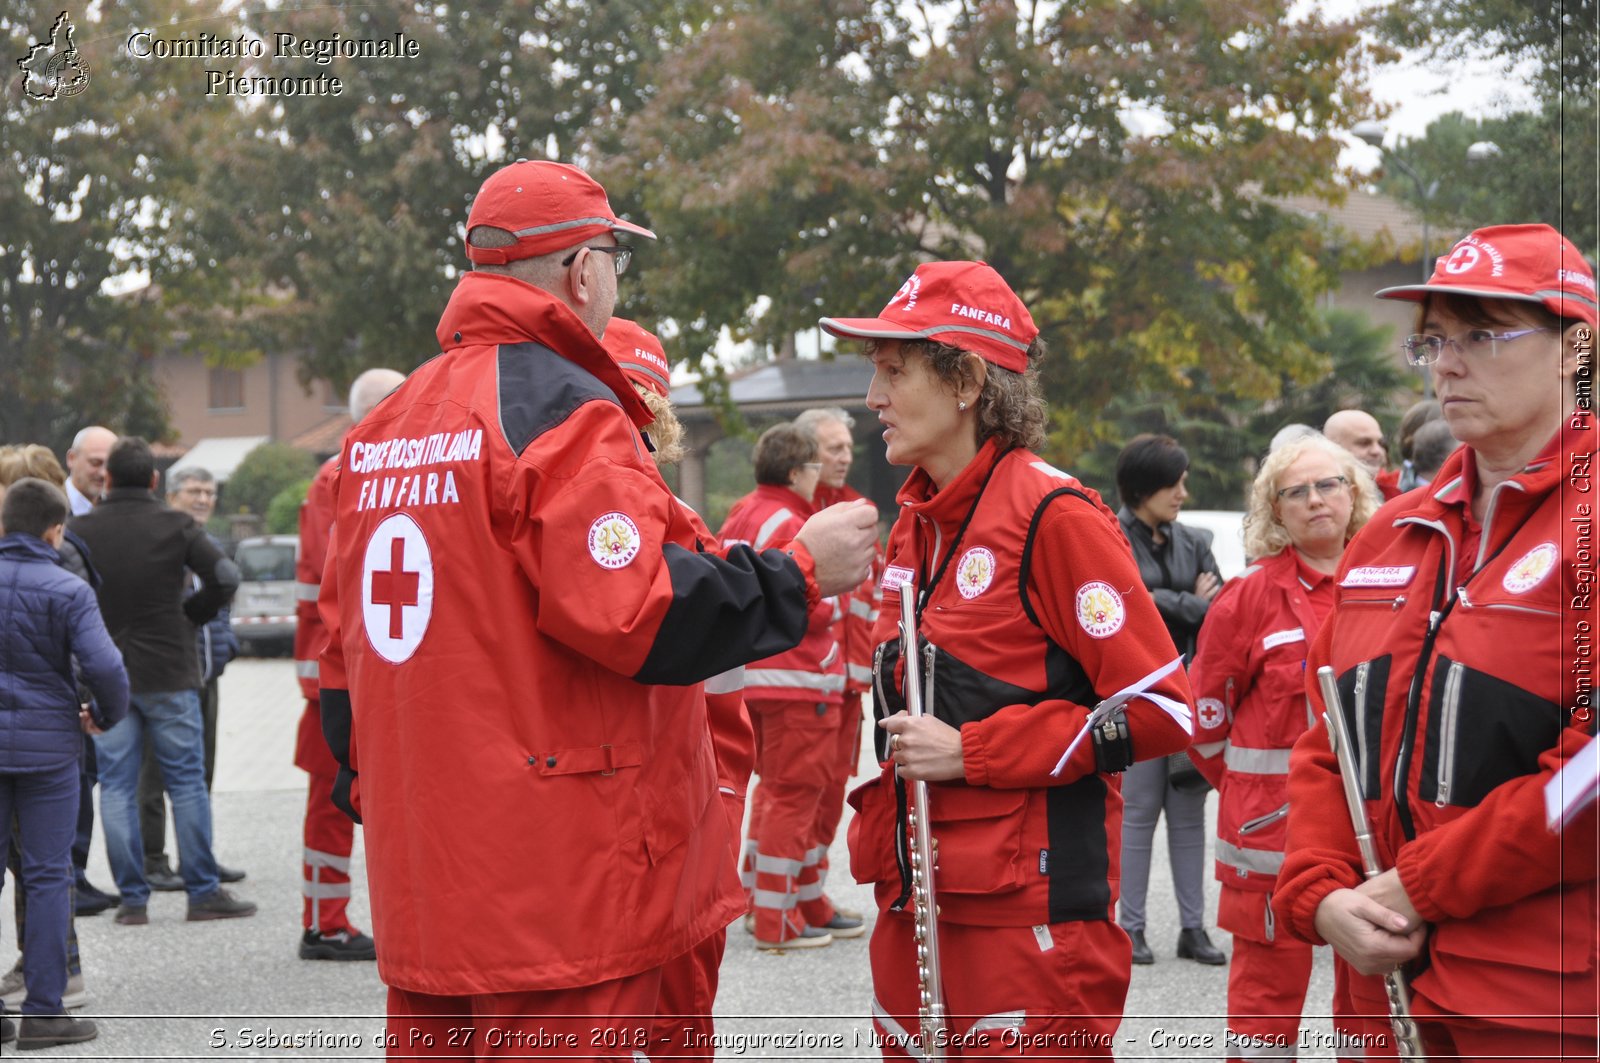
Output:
(236, 989)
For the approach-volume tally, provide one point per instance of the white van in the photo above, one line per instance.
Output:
(263, 610)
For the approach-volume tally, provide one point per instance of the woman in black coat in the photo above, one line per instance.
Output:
(1177, 567)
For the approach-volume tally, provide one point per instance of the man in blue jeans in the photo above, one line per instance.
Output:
(142, 548)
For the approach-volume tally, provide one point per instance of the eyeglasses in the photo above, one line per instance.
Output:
(198, 492)
(621, 255)
(1326, 487)
(817, 465)
(1477, 343)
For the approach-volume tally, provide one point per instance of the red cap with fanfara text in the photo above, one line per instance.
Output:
(963, 304)
(547, 206)
(639, 353)
(1531, 263)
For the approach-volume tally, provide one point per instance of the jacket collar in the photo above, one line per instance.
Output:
(1570, 448)
(488, 309)
(922, 496)
(1132, 526)
(19, 547)
(128, 494)
(786, 497)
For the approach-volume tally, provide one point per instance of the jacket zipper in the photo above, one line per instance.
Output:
(1450, 710)
(877, 681)
(929, 653)
(1461, 593)
(1443, 601)
(1250, 826)
(1363, 672)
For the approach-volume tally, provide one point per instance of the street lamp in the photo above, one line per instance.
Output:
(1373, 133)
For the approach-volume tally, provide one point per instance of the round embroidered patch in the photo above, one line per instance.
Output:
(613, 540)
(1209, 713)
(1100, 609)
(397, 588)
(1531, 569)
(974, 572)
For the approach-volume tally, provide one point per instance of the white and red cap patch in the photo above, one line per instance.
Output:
(1530, 263)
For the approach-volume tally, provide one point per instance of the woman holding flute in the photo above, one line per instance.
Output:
(1461, 611)
(1030, 612)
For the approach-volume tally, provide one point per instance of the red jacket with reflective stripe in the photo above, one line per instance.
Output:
(814, 670)
(1466, 674)
(1248, 676)
(310, 636)
(859, 608)
(1017, 845)
(519, 619)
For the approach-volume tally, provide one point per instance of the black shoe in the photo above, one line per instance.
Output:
(161, 877)
(229, 874)
(1194, 945)
(219, 905)
(8, 1031)
(87, 904)
(47, 1031)
(343, 945)
(1141, 951)
(133, 915)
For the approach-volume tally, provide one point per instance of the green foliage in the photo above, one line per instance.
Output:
(283, 512)
(1225, 432)
(1544, 172)
(1558, 37)
(88, 184)
(266, 472)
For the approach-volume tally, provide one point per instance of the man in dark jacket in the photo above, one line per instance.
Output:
(143, 549)
(190, 490)
(48, 618)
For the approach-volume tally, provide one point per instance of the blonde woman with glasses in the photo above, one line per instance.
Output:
(1309, 499)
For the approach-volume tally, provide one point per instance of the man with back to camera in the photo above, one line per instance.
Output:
(329, 834)
(508, 569)
(142, 548)
(191, 490)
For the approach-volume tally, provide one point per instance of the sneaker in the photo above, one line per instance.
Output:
(219, 905)
(810, 937)
(160, 875)
(342, 945)
(749, 922)
(8, 1031)
(844, 926)
(13, 990)
(47, 1031)
(133, 915)
(226, 875)
(848, 913)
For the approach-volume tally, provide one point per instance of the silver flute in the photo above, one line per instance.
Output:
(1408, 1042)
(931, 1009)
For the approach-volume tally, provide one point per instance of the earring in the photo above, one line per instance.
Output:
(961, 407)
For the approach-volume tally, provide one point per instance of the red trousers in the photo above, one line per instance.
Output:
(815, 906)
(611, 1021)
(1048, 992)
(1267, 982)
(329, 838)
(796, 750)
(1448, 1038)
(683, 1026)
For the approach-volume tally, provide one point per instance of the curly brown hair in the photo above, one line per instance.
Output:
(1010, 406)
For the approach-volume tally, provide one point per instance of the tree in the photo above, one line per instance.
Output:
(1544, 172)
(1114, 162)
(266, 472)
(1559, 37)
(87, 188)
(283, 512)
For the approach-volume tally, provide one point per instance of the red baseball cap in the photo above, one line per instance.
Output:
(964, 304)
(639, 353)
(1532, 263)
(547, 206)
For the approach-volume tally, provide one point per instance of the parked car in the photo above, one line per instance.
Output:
(263, 610)
(1227, 536)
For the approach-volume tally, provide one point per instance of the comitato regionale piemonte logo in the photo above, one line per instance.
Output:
(55, 68)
